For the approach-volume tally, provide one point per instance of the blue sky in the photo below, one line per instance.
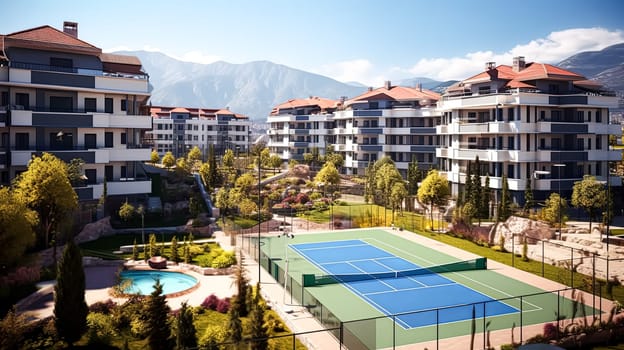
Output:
(349, 40)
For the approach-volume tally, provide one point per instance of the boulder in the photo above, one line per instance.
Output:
(95, 230)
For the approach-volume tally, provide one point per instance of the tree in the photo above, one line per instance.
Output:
(156, 314)
(17, 223)
(175, 257)
(528, 196)
(234, 333)
(228, 158)
(386, 177)
(168, 160)
(308, 158)
(328, 176)
(242, 286)
(222, 201)
(486, 196)
(70, 307)
(504, 206)
(74, 172)
(265, 155)
(194, 156)
(211, 176)
(398, 193)
(126, 211)
(589, 195)
(334, 158)
(434, 190)
(554, 208)
(154, 157)
(45, 188)
(186, 337)
(275, 162)
(259, 332)
(414, 176)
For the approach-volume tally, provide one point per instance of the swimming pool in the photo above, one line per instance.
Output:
(142, 282)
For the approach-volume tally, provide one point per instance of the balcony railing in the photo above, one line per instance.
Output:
(74, 70)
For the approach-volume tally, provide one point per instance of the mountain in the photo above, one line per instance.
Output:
(605, 66)
(252, 89)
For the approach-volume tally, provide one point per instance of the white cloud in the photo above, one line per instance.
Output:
(556, 47)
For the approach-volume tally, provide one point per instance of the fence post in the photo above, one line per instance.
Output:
(437, 329)
(594, 286)
(558, 312)
(341, 333)
(521, 321)
(484, 328)
(571, 267)
(513, 250)
(393, 332)
(543, 257)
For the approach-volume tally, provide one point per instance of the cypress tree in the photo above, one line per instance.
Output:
(70, 308)
(468, 187)
(186, 334)
(242, 283)
(258, 332)
(528, 196)
(234, 328)
(157, 311)
(485, 198)
(504, 210)
(175, 257)
(135, 251)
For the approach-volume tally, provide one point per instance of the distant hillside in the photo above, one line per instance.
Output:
(605, 66)
(252, 88)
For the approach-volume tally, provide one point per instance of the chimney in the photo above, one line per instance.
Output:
(71, 28)
(370, 88)
(419, 86)
(387, 84)
(490, 65)
(518, 63)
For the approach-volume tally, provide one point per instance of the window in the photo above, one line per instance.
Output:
(542, 115)
(61, 104)
(21, 141)
(510, 142)
(123, 172)
(61, 62)
(598, 117)
(589, 116)
(4, 98)
(22, 99)
(598, 142)
(91, 175)
(108, 139)
(108, 172)
(123, 138)
(90, 141)
(108, 105)
(124, 105)
(159, 126)
(90, 104)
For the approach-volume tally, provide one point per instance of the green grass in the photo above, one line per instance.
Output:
(551, 272)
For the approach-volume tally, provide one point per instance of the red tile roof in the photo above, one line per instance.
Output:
(397, 93)
(321, 103)
(205, 113)
(46, 37)
(120, 59)
(514, 84)
(532, 71)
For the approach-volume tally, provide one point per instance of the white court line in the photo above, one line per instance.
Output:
(414, 288)
(537, 307)
(375, 279)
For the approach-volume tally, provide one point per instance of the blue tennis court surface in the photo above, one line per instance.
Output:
(411, 296)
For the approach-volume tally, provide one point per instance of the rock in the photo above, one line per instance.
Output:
(95, 230)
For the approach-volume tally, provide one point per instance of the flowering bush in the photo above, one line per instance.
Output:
(210, 302)
(223, 306)
(550, 331)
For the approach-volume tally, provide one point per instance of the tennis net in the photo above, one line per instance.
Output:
(310, 280)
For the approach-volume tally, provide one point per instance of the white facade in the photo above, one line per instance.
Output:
(65, 97)
(548, 129)
(178, 130)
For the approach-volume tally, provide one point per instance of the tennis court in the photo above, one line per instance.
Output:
(385, 290)
(394, 285)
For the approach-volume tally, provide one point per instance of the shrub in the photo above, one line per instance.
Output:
(13, 328)
(103, 307)
(550, 331)
(224, 260)
(101, 330)
(210, 302)
(204, 260)
(273, 324)
(122, 315)
(195, 250)
(223, 306)
(138, 327)
(213, 336)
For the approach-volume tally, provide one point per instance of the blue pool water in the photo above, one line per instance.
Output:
(143, 281)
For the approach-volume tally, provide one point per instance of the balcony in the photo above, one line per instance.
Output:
(127, 186)
(78, 118)
(93, 156)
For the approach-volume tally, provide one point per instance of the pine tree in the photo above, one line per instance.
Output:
(504, 206)
(242, 283)
(157, 325)
(174, 250)
(258, 332)
(485, 198)
(70, 308)
(468, 186)
(234, 328)
(186, 334)
(528, 196)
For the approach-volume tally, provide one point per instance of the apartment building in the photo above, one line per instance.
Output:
(299, 126)
(62, 95)
(527, 121)
(179, 129)
(395, 121)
